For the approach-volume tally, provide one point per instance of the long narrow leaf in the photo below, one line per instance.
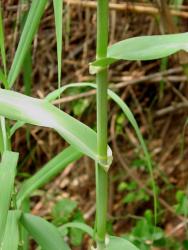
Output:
(143, 48)
(134, 124)
(27, 72)
(7, 175)
(2, 42)
(15, 127)
(85, 228)
(43, 232)
(27, 64)
(16, 106)
(45, 174)
(30, 28)
(3, 136)
(58, 11)
(11, 235)
(24, 235)
(3, 79)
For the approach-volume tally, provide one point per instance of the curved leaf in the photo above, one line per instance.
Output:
(2, 42)
(134, 124)
(58, 11)
(17, 106)
(7, 175)
(43, 232)
(143, 48)
(30, 28)
(11, 231)
(15, 127)
(27, 63)
(82, 226)
(117, 243)
(3, 79)
(46, 173)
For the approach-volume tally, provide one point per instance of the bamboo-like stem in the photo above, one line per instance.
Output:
(102, 85)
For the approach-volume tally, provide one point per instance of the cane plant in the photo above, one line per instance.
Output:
(15, 220)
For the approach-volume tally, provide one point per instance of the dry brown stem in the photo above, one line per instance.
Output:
(129, 7)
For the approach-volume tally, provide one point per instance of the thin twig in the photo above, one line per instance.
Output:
(171, 109)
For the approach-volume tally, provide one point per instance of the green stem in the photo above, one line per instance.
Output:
(102, 86)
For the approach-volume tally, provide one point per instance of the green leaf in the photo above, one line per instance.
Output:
(15, 127)
(134, 124)
(143, 48)
(24, 235)
(63, 210)
(58, 11)
(185, 244)
(178, 3)
(49, 171)
(130, 197)
(76, 235)
(82, 226)
(3, 135)
(3, 79)
(30, 28)
(7, 175)
(2, 42)
(43, 232)
(30, 110)
(27, 64)
(146, 231)
(79, 106)
(27, 73)
(181, 207)
(114, 243)
(11, 235)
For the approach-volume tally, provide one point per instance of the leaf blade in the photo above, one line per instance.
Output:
(29, 30)
(7, 175)
(144, 48)
(11, 231)
(27, 64)
(2, 42)
(44, 233)
(44, 175)
(82, 226)
(30, 110)
(119, 243)
(58, 12)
